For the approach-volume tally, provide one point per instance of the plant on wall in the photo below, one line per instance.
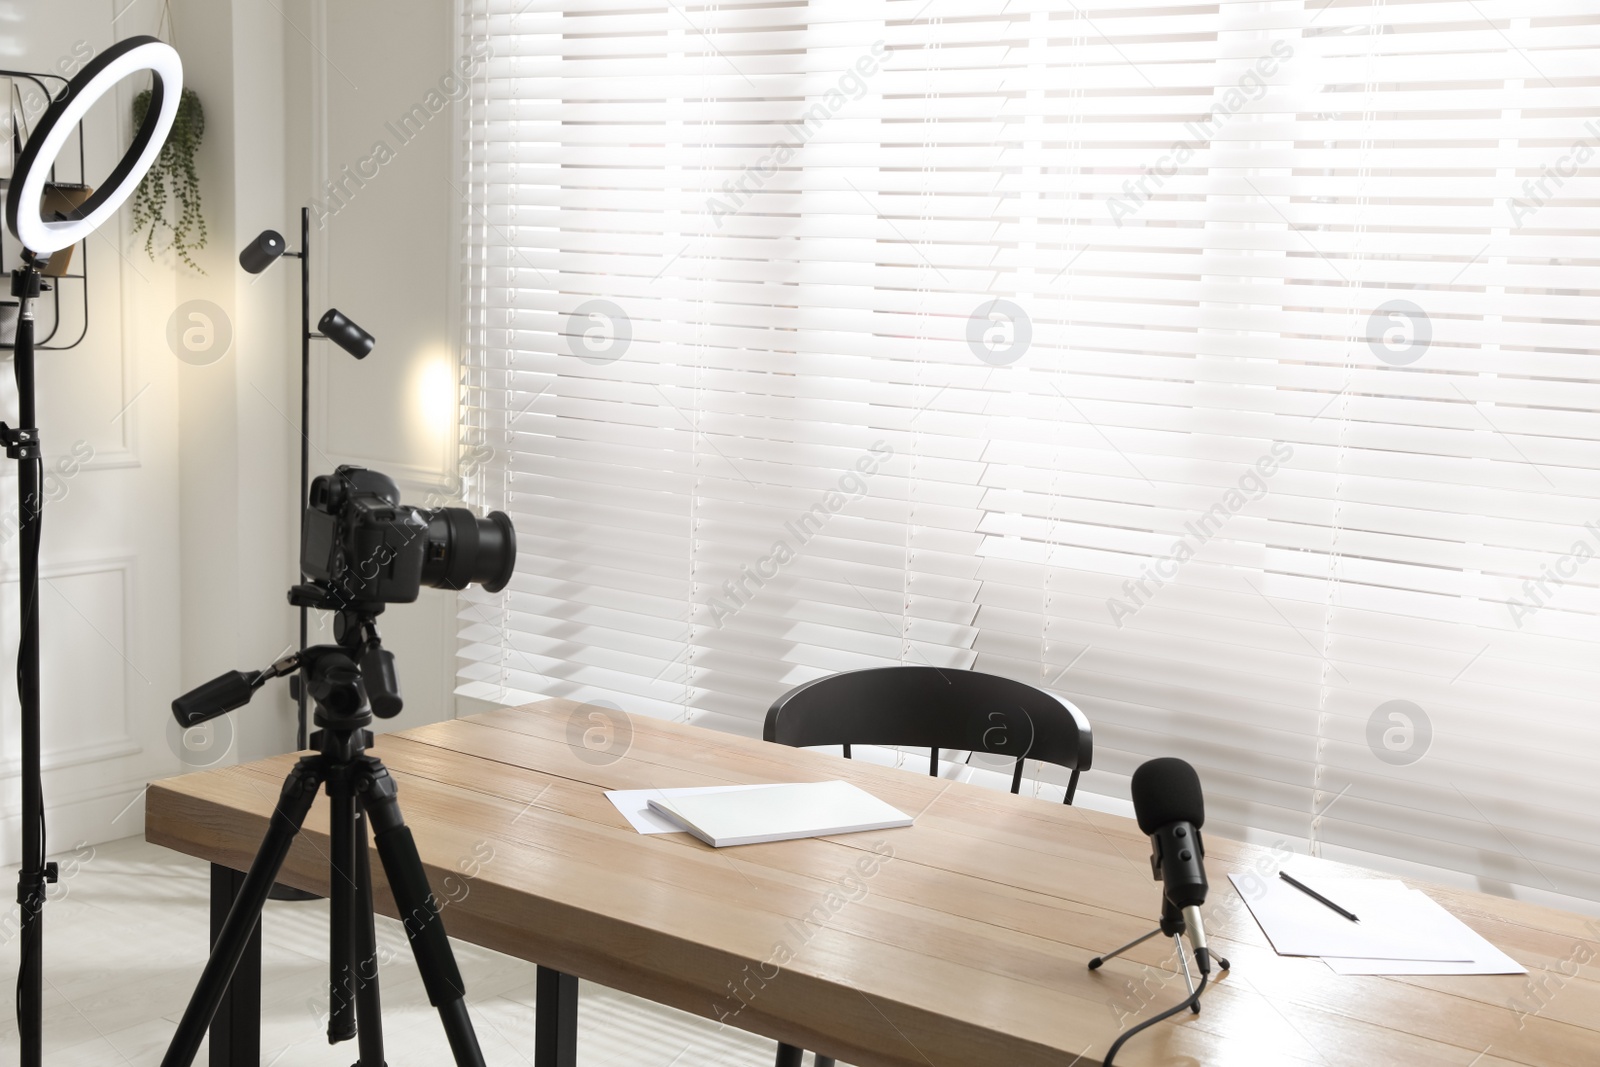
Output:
(169, 196)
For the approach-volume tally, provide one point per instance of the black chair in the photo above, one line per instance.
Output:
(933, 708)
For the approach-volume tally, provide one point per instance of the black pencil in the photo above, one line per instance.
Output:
(1313, 893)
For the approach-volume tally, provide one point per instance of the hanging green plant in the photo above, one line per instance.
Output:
(172, 185)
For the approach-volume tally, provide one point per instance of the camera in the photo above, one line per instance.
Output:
(367, 549)
(363, 549)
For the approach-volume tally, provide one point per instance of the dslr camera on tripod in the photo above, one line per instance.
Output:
(362, 550)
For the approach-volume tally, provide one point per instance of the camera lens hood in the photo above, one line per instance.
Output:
(505, 551)
(464, 549)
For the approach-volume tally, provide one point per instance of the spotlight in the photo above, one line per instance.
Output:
(346, 334)
(259, 254)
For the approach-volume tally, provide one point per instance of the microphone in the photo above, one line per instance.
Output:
(1170, 809)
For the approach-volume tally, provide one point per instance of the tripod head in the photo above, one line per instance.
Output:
(350, 681)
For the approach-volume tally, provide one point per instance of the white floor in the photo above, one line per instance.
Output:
(125, 938)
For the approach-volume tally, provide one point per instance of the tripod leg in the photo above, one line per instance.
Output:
(369, 1020)
(342, 980)
(1188, 979)
(419, 910)
(299, 790)
(1095, 964)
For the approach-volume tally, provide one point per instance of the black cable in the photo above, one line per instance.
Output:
(33, 517)
(1194, 999)
(33, 611)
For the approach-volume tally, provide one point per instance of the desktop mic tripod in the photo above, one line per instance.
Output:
(1173, 926)
(360, 789)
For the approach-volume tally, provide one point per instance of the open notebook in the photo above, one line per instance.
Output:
(779, 813)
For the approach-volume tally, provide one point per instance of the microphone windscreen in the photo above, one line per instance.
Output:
(1166, 791)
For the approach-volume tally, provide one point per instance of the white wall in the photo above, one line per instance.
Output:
(385, 255)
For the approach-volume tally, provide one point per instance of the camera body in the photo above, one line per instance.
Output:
(367, 549)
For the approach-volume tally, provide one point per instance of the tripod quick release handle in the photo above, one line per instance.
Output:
(217, 697)
(227, 691)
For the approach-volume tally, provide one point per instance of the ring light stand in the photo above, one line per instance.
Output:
(40, 237)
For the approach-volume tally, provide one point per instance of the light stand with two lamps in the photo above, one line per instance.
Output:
(334, 326)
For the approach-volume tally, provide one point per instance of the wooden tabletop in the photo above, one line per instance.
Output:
(961, 941)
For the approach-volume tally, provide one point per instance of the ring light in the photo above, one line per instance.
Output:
(38, 158)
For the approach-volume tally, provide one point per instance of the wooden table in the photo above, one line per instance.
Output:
(959, 942)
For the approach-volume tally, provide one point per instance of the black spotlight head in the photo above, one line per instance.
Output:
(259, 254)
(346, 334)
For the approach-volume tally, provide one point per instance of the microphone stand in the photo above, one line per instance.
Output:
(1173, 926)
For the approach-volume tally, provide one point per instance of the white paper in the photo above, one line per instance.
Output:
(634, 804)
(1501, 964)
(782, 812)
(1486, 958)
(1394, 925)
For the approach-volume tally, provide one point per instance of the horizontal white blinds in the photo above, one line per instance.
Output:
(1228, 369)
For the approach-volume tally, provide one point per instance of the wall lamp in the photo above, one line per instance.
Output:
(334, 326)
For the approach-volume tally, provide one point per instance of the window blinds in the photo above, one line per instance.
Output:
(1228, 369)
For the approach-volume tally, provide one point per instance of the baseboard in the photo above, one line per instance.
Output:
(93, 817)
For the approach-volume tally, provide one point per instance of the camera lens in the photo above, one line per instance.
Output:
(463, 549)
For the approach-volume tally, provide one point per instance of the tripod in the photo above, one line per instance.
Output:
(360, 790)
(1173, 926)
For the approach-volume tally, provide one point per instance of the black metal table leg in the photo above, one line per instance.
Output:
(555, 1023)
(236, 1027)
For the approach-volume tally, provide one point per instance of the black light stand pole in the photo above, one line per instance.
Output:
(22, 445)
(296, 684)
(304, 254)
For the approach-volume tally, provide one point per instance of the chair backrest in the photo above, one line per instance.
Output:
(935, 708)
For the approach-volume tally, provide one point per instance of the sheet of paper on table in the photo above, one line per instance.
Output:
(1401, 930)
(1300, 925)
(1486, 959)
